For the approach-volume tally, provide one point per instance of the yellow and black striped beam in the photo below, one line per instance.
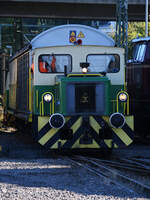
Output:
(50, 137)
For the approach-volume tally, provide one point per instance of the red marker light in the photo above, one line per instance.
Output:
(79, 42)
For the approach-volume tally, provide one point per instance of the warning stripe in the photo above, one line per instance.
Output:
(117, 140)
(96, 127)
(94, 124)
(49, 136)
(71, 121)
(126, 135)
(44, 130)
(121, 136)
(108, 142)
(95, 136)
(128, 130)
(71, 142)
(77, 131)
(76, 125)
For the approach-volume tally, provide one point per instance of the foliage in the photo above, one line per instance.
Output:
(135, 29)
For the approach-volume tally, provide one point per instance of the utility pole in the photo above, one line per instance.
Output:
(122, 25)
(3, 72)
(146, 18)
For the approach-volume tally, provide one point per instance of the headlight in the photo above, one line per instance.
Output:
(84, 70)
(47, 97)
(123, 97)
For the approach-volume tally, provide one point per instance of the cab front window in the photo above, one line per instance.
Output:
(54, 63)
(103, 63)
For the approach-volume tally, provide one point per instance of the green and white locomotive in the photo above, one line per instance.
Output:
(68, 84)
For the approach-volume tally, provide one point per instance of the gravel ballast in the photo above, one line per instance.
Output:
(54, 179)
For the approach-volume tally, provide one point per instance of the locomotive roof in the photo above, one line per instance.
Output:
(142, 39)
(64, 34)
(67, 34)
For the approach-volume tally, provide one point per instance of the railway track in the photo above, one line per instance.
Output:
(121, 172)
(127, 164)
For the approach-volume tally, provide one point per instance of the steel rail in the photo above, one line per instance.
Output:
(130, 168)
(124, 165)
(101, 174)
(117, 176)
(142, 160)
(137, 163)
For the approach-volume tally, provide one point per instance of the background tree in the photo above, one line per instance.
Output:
(135, 30)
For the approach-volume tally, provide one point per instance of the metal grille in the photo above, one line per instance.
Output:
(85, 98)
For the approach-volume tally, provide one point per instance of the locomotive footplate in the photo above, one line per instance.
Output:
(84, 132)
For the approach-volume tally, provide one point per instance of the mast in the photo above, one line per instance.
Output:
(122, 25)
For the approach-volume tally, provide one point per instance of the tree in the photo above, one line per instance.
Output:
(135, 30)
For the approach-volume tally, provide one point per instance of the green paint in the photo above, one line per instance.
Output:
(41, 90)
(63, 81)
(60, 98)
(114, 90)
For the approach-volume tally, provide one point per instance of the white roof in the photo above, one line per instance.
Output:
(142, 39)
(60, 36)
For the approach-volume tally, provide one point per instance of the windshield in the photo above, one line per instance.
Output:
(139, 52)
(54, 63)
(103, 63)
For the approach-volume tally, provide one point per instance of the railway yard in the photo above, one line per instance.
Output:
(30, 172)
(74, 101)
(63, 96)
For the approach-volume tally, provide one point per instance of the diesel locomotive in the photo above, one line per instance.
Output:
(68, 84)
(138, 83)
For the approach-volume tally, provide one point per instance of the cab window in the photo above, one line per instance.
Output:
(54, 63)
(139, 52)
(103, 63)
